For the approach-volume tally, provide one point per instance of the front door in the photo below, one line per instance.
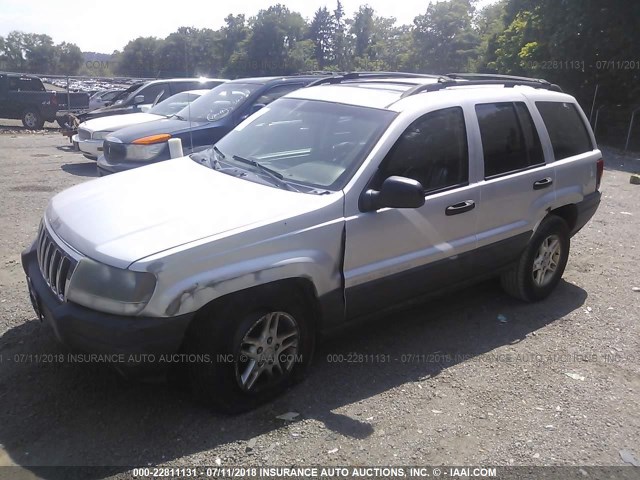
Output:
(392, 255)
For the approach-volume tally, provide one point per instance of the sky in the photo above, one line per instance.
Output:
(107, 25)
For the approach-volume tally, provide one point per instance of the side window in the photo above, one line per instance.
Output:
(510, 140)
(566, 129)
(107, 97)
(432, 150)
(178, 87)
(25, 84)
(152, 91)
(277, 92)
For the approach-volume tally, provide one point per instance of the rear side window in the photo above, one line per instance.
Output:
(568, 133)
(25, 84)
(510, 141)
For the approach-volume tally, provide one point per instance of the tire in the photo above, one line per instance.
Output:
(218, 338)
(540, 267)
(32, 119)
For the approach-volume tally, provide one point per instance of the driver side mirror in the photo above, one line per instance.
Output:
(395, 192)
(138, 99)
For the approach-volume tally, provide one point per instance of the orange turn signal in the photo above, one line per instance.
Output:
(151, 139)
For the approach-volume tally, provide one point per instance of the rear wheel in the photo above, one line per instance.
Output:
(541, 265)
(32, 119)
(249, 350)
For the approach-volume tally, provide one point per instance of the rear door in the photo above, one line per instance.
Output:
(574, 150)
(518, 183)
(392, 255)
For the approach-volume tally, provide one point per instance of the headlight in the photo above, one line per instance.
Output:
(100, 135)
(109, 289)
(143, 153)
(147, 148)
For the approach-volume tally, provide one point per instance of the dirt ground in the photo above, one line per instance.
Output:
(475, 378)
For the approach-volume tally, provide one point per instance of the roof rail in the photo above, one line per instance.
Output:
(371, 75)
(473, 79)
(493, 76)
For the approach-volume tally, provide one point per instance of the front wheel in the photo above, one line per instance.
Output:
(541, 265)
(249, 351)
(32, 119)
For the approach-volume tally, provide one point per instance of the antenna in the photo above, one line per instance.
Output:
(190, 130)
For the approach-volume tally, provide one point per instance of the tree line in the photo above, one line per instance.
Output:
(576, 43)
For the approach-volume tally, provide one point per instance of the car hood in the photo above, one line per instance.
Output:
(116, 122)
(171, 125)
(108, 111)
(125, 217)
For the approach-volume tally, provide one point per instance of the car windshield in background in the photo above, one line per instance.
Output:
(311, 143)
(219, 102)
(174, 104)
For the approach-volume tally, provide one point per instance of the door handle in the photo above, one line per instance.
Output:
(544, 183)
(459, 208)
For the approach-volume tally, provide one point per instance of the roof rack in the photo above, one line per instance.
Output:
(473, 79)
(371, 75)
(493, 76)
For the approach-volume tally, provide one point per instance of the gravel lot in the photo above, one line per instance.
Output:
(473, 379)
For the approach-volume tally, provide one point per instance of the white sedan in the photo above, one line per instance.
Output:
(91, 133)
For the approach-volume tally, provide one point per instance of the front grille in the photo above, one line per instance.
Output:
(55, 265)
(84, 134)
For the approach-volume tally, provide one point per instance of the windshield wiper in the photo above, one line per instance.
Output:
(277, 177)
(214, 162)
(175, 115)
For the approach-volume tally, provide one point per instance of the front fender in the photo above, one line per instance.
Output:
(195, 275)
(193, 293)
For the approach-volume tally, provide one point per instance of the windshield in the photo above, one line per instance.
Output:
(306, 142)
(219, 102)
(174, 104)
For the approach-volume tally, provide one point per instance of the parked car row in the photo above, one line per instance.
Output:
(91, 134)
(197, 126)
(292, 217)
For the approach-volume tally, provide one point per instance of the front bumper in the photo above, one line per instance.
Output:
(90, 148)
(105, 167)
(586, 209)
(141, 340)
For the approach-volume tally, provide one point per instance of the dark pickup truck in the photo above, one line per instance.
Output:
(24, 97)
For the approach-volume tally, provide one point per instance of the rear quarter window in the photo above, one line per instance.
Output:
(566, 128)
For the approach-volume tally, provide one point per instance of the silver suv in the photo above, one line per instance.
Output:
(332, 203)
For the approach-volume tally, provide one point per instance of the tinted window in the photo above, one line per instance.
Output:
(194, 85)
(566, 129)
(25, 84)
(510, 141)
(277, 92)
(152, 91)
(110, 95)
(432, 150)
